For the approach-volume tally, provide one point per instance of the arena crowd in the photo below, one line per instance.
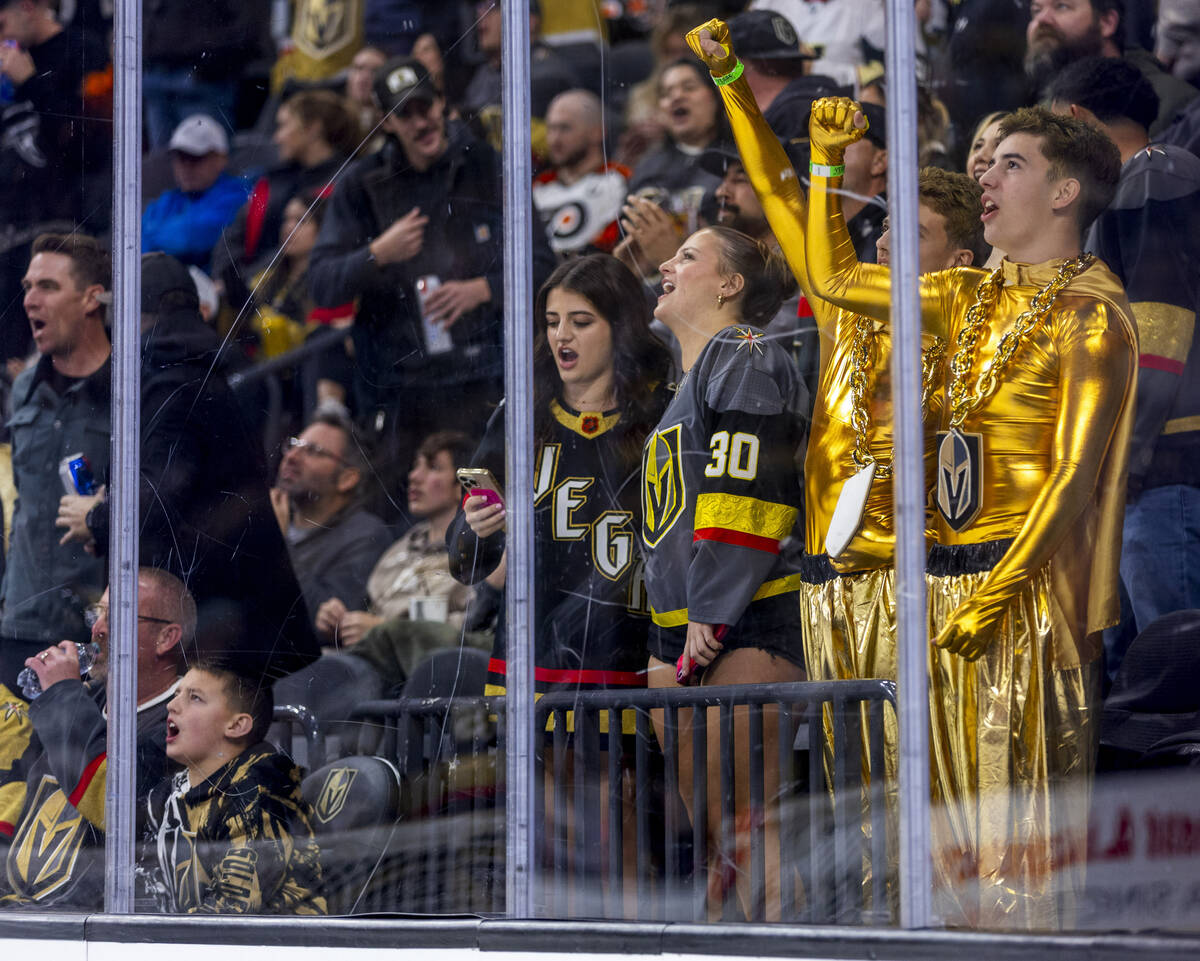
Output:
(322, 342)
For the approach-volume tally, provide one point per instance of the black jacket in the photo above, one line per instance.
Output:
(1148, 238)
(205, 512)
(461, 194)
(241, 842)
(463, 197)
(216, 40)
(51, 152)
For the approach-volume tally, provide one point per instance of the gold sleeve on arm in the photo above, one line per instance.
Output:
(833, 264)
(1098, 374)
(771, 174)
(838, 277)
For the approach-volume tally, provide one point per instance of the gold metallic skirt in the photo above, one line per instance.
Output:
(850, 634)
(1012, 747)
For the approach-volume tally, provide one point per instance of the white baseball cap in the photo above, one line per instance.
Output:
(199, 135)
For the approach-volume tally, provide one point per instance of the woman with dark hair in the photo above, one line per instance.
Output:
(599, 387)
(692, 116)
(721, 489)
(315, 132)
(599, 378)
(283, 309)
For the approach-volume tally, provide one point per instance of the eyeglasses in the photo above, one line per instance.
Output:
(92, 614)
(309, 449)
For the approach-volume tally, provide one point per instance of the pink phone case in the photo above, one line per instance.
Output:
(488, 495)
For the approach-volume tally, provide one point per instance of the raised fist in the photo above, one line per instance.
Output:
(710, 42)
(834, 124)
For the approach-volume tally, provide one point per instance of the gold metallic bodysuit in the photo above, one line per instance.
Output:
(849, 619)
(1012, 734)
(827, 463)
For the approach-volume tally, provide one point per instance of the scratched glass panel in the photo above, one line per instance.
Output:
(346, 363)
(55, 284)
(322, 650)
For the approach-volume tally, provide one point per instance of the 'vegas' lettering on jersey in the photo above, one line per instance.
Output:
(612, 541)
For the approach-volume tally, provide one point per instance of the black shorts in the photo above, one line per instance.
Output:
(771, 625)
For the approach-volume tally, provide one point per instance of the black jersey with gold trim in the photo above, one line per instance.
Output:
(16, 732)
(591, 614)
(56, 857)
(720, 490)
(240, 843)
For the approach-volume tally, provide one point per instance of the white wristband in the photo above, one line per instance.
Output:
(823, 170)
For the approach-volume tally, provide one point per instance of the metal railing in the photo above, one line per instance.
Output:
(304, 730)
(591, 778)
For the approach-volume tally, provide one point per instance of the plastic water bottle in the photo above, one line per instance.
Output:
(31, 687)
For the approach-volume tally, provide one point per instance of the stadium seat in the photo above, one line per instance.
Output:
(331, 688)
(355, 802)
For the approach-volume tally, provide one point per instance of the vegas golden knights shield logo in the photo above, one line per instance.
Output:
(663, 494)
(959, 477)
(323, 27)
(334, 792)
(43, 854)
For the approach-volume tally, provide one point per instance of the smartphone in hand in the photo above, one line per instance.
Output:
(479, 482)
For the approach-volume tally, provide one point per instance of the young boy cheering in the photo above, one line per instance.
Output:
(1031, 465)
(232, 831)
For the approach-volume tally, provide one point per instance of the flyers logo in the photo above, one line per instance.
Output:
(43, 855)
(324, 27)
(334, 793)
(663, 494)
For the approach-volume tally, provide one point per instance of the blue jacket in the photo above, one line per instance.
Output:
(188, 225)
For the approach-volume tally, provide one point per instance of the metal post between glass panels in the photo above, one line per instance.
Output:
(121, 786)
(909, 479)
(518, 424)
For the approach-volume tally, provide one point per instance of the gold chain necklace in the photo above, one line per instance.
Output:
(962, 400)
(860, 382)
(847, 517)
(960, 468)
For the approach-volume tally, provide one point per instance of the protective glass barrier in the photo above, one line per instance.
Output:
(335, 177)
(730, 792)
(55, 464)
(327, 511)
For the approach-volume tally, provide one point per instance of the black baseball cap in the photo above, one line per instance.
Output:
(402, 79)
(764, 35)
(162, 274)
(718, 158)
(877, 124)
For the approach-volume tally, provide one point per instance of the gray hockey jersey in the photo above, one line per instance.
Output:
(720, 490)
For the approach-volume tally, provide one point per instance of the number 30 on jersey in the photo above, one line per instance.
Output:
(733, 455)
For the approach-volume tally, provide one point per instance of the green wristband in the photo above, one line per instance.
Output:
(821, 170)
(729, 77)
